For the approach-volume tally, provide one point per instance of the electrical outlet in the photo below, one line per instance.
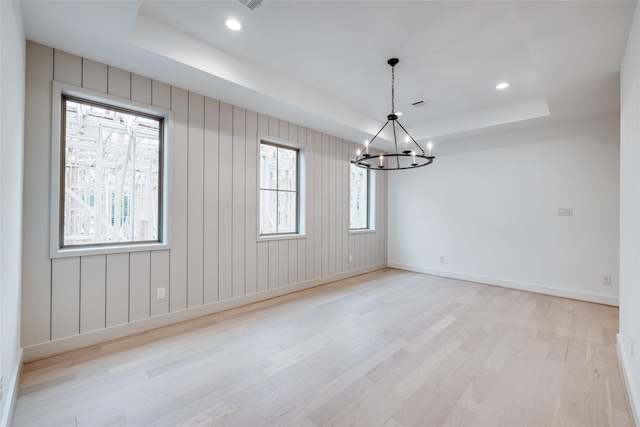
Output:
(441, 258)
(565, 211)
(606, 280)
(350, 258)
(160, 293)
(633, 344)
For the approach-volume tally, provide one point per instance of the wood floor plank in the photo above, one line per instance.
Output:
(389, 348)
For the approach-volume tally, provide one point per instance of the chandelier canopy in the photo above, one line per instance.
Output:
(413, 156)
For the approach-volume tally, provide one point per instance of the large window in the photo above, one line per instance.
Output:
(111, 174)
(359, 198)
(279, 198)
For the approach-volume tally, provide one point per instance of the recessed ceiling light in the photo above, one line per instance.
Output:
(233, 24)
(502, 85)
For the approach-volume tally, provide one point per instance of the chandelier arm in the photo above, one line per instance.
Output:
(395, 141)
(414, 141)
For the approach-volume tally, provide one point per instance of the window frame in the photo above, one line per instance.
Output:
(62, 91)
(371, 201)
(300, 188)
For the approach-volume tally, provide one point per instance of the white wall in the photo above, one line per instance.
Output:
(489, 206)
(629, 336)
(215, 261)
(12, 85)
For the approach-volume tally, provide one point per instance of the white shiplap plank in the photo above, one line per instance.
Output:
(117, 289)
(119, 83)
(311, 207)
(292, 262)
(92, 292)
(274, 264)
(283, 263)
(160, 94)
(345, 207)
(36, 268)
(179, 164)
(67, 68)
(65, 297)
(319, 211)
(225, 215)
(211, 206)
(141, 89)
(238, 200)
(94, 75)
(139, 285)
(264, 272)
(159, 279)
(352, 251)
(301, 263)
(250, 197)
(326, 193)
(332, 230)
(195, 207)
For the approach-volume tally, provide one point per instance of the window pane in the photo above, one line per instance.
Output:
(268, 212)
(111, 175)
(287, 165)
(359, 198)
(268, 166)
(287, 204)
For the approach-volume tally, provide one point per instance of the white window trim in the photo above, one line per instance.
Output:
(372, 203)
(56, 251)
(302, 188)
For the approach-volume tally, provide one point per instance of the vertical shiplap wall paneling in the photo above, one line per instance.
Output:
(238, 201)
(263, 247)
(301, 244)
(36, 269)
(250, 201)
(92, 293)
(141, 89)
(326, 193)
(65, 297)
(311, 198)
(159, 279)
(139, 285)
(225, 213)
(318, 178)
(94, 75)
(117, 286)
(331, 204)
(195, 207)
(211, 155)
(213, 175)
(119, 83)
(65, 273)
(179, 164)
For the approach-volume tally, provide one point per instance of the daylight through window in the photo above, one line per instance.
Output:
(111, 175)
(359, 198)
(278, 189)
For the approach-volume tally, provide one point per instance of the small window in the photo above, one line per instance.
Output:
(111, 175)
(359, 198)
(279, 198)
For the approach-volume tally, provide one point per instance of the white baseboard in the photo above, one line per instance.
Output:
(10, 393)
(39, 351)
(530, 287)
(632, 391)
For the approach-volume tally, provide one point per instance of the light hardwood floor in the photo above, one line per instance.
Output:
(389, 348)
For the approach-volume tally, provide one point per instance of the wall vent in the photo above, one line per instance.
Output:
(251, 4)
(419, 103)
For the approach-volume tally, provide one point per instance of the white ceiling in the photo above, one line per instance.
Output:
(322, 64)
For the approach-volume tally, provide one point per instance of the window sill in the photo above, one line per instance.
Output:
(281, 237)
(111, 249)
(363, 231)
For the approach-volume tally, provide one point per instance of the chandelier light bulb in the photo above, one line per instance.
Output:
(429, 147)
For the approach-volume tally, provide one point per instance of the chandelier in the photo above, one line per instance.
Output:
(412, 156)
